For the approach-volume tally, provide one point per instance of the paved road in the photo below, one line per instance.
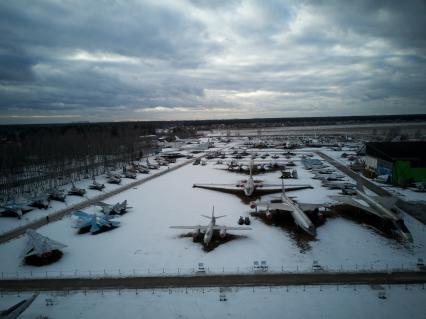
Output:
(416, 210)
(66, 211)
(264, 279)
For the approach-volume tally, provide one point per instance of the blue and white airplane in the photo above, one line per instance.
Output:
(95, 223)
(14, 209)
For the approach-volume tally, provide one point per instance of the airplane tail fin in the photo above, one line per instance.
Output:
(251, 167)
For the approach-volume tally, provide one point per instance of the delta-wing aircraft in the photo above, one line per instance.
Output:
(380, 206)
(39, 245)
(211, 229)
(251, 187)
(287, 205)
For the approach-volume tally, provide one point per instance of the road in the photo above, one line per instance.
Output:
(417, 211)
(262, 279)
(66, 211)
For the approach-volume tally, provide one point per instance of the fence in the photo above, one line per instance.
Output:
(191, 271)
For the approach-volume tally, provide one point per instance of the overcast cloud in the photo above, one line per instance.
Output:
(65, 61)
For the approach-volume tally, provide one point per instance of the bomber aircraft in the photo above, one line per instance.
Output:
(287, 205)
(379, 206)
(251, 187)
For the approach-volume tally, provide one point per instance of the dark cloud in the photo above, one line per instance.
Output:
(147, 59)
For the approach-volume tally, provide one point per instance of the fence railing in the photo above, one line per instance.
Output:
(196, 270)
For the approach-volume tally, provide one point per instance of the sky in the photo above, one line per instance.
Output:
(111, 60)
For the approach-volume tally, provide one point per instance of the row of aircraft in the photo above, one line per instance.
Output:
(353, 195)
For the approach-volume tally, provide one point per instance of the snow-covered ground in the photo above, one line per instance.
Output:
(10, 223)
(274, 302)
(145, 243)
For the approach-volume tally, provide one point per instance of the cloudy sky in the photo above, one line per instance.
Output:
(67, 61)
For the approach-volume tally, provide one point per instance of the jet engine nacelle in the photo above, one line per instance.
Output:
(253, 205)
(268, 214)
(222, 233)
(195, 233)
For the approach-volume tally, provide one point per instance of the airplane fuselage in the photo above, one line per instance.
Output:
(208, 234)
(299, 216)
(249, 187)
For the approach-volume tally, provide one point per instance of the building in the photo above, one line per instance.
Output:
(403, 162)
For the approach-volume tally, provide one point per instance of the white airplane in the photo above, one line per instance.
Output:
(251, 187)
(116, 209)
(287, 205)
(39, 245)
(210, 229)
(380, 206)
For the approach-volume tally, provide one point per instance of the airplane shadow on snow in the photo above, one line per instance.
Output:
(215, 242)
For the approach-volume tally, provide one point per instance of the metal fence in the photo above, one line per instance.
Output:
(205, 270)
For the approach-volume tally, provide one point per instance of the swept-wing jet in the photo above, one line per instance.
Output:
(346, 187)
(210, 230)
(93, 222)
(14, 209)
(251, 187)
(329, 177)
(151, 165)
(40, 245)
(97, 186)
(286, 205)
(76, 191)
(57, 194)
(113, 178)
(40, 201)
(116, 209)
(379, 206)
(16, 310)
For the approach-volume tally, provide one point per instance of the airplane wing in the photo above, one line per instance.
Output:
(227, 188)
(95, 227)
(102, 204)
(269, 188)
(349, 200)
(386, 201)
(273, 206)
(81, 214)
(217, 227)
(83, 223)
(189, 227)
(309, 207)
